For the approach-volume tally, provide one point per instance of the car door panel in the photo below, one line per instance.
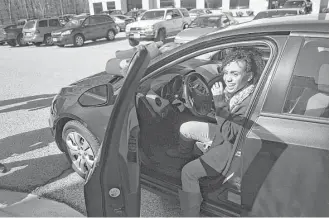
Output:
(283, 160)
(285, 157)
(112, 187)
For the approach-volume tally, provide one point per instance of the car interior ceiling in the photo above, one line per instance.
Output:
(157, 134)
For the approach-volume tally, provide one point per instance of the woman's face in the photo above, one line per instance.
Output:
(235, 76)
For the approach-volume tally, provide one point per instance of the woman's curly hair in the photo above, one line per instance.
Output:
(252, 57)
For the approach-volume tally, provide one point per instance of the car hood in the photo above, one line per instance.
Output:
(84, 84)
(194, 33)
(144, 23)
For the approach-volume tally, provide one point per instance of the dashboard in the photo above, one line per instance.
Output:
(167, 91)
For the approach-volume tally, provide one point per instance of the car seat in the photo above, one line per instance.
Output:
(318, 104)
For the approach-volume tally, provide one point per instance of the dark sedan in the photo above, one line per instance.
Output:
(203, 25)
(279, 162)
(271, 13)
(83, 28)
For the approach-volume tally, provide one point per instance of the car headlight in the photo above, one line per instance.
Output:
(67, 32)
(149, 28)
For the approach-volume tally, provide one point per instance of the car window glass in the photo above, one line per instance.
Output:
(108, 19)
(185, 12)
(87, 21)
(308, 93)
(93, 20)
(176, 14)
(54, 23)
(43, 23)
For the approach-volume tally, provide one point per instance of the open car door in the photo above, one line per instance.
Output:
(112, 187)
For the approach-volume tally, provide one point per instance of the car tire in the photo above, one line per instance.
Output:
(60, 46)
(2, 43)
(161, 37)
(133, 42)
(185, 26)
(79, 40)
(81, 158)
(37, 43)
(20, 40)
(12, 43)
(94, 40)
(48, 40)
(110, 35)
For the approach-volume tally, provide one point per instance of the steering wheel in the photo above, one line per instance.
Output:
(198, 93)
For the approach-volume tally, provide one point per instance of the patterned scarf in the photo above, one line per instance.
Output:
(239, 97)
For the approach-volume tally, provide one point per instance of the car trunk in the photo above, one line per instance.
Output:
(30, 28)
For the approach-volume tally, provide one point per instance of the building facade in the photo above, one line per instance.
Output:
(97, 6)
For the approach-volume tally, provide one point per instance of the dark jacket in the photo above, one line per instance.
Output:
(229, 125)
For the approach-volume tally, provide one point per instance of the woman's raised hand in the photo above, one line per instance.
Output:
(217, 89)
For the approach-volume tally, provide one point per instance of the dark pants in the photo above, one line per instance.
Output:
(190, 132)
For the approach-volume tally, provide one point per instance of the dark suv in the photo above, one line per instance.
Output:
(83, 28)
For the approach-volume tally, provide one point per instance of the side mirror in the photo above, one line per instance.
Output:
(97, 96)
(169, 17)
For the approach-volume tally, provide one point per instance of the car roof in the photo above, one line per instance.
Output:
(300, 23)
(212, 15)
(161, 9)
(281, 9)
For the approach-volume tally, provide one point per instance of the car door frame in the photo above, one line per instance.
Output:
(178, 22)
(108, 191)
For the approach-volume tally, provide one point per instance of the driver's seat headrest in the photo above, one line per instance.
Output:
(323, 79)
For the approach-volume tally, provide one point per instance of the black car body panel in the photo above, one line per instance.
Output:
(279, 165)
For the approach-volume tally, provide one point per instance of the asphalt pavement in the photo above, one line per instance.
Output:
(30, 77)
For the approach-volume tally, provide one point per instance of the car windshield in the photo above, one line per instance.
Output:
(293, 4)
(74, 22)
(30, 24)
(206, 22)
(272, 14)
(153, 15)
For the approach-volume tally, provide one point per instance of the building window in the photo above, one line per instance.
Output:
(213, 3)
(132, 4)
(188, 4)
(167, 3)
(239, 4)
(98, 8)
(110, 5)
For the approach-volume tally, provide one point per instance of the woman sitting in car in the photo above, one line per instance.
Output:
(242, 69)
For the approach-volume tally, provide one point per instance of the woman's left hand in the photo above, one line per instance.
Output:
(217, 89)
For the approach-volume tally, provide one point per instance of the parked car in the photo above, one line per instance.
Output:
(112, 12)
(301, 5)
(278, 163)
(3, 34)
(271, 13)
(14, 34)
(81, 29)
(122, 21)
(194, 13)
(39, 31)
(203, 25)
(156, 25)
(135, 13)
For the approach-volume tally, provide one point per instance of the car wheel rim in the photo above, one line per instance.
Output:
(111, 35)
(79, 40)
(49, 40)
(80, 151)
(185, 26)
